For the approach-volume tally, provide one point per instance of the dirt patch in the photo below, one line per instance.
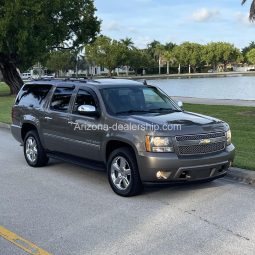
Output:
(247, 114)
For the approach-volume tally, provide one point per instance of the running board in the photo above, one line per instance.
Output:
(86, 163)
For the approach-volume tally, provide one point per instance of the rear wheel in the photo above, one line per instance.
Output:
(123, 174)
(33, 150)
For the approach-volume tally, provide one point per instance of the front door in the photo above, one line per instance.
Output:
(86, 132)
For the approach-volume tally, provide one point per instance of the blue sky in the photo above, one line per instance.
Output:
(177, 21)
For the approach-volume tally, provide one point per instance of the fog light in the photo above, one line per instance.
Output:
(163, 175)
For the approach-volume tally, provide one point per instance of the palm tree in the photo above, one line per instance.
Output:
(129, 46)
(127, 42)
(252, 10)
(169, 58)
(158, 53)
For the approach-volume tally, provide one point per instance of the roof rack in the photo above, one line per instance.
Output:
(145, 83)
(84, 80)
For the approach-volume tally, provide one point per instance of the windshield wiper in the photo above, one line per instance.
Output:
(133, 111)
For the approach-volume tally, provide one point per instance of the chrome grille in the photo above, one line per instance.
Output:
(193, 144)
(201, 149)
(199, 136)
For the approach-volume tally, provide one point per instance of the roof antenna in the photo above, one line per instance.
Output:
(145, 83)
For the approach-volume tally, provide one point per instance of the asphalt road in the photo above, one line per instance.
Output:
(68, 210)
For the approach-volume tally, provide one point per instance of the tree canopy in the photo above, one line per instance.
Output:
(251, 56)
(106, 52)
(29, 29)
(220, 53)
(189, 54)
(60, 61)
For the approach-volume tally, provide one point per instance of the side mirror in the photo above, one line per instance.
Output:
(180, 104)
(89, 110)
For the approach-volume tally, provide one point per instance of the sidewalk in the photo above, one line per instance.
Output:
(209, 101)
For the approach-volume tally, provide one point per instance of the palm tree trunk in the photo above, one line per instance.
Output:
(167, 63)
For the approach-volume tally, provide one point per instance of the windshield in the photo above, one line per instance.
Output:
(137, 100)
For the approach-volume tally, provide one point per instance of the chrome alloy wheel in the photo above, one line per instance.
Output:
(31, 149)
(120, 173)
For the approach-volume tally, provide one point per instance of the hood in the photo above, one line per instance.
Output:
(182, 118)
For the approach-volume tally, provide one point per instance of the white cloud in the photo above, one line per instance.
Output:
(111, 26)
(243, 18)
(142, 41)
(203, 15)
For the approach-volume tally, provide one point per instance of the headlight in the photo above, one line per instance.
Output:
(159, 144)
(228, 135)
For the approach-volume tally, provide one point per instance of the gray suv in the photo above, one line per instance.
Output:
(134, 130)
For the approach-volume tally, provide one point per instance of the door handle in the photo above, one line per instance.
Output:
(48, 118)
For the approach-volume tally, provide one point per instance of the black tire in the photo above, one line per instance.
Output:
(135, 185)
(41, 158)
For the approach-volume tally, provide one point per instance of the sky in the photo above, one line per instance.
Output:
(176, 21)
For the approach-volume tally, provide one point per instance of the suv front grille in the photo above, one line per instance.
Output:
(193, 144)
(199, 136)
(201, 149)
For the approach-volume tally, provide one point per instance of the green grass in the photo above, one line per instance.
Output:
(242, 123)
(6, 102)
(240, 119)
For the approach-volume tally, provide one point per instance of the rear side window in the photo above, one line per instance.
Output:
(61, 99)
(33, 95)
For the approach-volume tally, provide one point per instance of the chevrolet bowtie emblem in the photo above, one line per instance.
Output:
(205, 141)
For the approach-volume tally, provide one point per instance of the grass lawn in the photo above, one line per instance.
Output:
(242, 123)
(241, 120)
(6, 102)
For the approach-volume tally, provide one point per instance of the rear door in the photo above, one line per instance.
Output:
(56, 118)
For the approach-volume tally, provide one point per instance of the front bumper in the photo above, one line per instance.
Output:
(184, 169)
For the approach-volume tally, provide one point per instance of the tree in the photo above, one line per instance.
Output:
(60, 61)
(139, 59)
(252, 9)
(29, 29)
(189, 54)
(106, 52)
(246, 49)
(220, 53)
(169, 58)
(129, 47)
(251, 56)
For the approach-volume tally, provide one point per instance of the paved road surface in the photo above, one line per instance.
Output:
(68, 210)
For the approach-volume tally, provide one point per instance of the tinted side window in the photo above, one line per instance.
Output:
(61, 99)
(83, 97)
(33, 95)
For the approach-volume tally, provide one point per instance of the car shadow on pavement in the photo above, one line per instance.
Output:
(95, 176)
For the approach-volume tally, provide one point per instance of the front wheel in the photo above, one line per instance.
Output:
(34, 151)
(123, 174)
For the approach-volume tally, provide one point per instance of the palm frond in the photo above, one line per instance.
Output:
(252, 10)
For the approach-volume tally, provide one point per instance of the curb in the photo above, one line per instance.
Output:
(242, 175)
(4, 125)
(237, 174)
